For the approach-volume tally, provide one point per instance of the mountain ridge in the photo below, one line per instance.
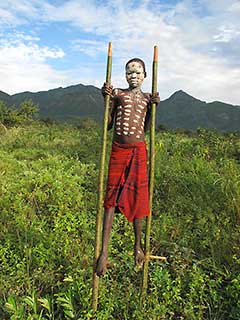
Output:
(180, 110)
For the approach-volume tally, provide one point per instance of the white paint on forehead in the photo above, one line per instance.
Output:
(135, 65)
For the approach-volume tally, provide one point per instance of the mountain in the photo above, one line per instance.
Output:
(5, 97)
(65, 104)
(180, 110)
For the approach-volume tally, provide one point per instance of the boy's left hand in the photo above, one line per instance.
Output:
(155, 98)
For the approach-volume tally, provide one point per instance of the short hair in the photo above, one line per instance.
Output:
(141, 62)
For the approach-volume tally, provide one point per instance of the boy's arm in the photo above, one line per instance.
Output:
(152, 98)
(111, 112)
(147, 119)
(107, 89)
(148, 114)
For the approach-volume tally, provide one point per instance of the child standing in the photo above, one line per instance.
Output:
(127, 187)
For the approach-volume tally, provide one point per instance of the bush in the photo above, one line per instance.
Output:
(11, 116)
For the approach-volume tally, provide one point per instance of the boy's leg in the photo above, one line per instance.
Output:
(107, 226)
(138, 251)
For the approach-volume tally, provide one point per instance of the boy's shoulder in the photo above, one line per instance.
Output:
(119, 92)
(147, 95)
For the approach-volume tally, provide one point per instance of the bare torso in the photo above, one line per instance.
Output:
(129, 113)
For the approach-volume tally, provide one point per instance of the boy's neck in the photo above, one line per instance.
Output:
(135, 90)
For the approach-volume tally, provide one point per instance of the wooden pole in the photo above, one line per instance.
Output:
(97, 246)
(151, 175)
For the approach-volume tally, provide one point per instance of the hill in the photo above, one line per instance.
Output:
(65, 104)
(180, 110)
(184, 111)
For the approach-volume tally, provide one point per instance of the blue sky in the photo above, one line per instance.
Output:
(46, 44)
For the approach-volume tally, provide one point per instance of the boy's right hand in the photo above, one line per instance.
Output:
(107, 89)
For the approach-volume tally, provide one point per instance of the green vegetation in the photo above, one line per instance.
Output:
(10, 116)
(48, 183)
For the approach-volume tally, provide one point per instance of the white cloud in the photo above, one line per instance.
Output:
(227, 33)
(198, 41)
(189, 36)
(6, 17)
(89, 47)
(24, 65)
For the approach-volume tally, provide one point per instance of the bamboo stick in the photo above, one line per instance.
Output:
(151, 175)
(97, 246)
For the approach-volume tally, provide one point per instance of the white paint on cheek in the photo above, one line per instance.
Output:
(137, 116)
(134, 120)
(126, 124)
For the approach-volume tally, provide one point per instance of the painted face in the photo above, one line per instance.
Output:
(134, 74)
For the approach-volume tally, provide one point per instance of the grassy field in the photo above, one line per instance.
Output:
(48, 183)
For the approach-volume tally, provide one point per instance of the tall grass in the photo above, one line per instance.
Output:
(48, 183)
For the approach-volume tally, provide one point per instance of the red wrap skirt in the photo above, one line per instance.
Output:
(127, 186)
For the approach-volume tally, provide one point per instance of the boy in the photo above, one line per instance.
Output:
(127, 187)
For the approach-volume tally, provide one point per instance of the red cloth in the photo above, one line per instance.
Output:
(127, 186)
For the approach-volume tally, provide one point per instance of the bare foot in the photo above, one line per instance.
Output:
(139, 256)
(101, 265)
